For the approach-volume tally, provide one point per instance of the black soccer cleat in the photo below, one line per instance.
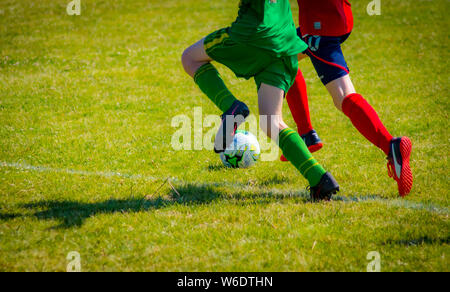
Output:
(326, 188)
(231, 120)
(312, 140)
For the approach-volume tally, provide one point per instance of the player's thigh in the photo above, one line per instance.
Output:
(327, 58)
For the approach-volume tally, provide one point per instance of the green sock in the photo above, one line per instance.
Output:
(210, 82)
(295, 150)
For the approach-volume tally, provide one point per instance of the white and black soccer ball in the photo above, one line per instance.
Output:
(244, 152)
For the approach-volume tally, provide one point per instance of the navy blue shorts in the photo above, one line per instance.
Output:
(327, 57)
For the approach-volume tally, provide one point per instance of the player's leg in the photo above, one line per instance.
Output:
(270, 100)
(360, 112)
(367, 122)
(297, 99)
(195, 57)
(197, 63)
(339, 89)
(329, 61)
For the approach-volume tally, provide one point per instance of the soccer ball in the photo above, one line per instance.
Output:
(244, 152)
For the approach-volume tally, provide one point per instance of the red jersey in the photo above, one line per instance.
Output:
(325, 17)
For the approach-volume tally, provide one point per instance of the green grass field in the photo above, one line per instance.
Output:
(86, 105)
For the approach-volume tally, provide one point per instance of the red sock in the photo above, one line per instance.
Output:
(366, 120)
(297, 99)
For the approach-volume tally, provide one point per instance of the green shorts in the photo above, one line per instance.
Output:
(247, 61)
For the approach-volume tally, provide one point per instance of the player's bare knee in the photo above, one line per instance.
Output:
(338, 103)
(338, 99)
(186, 60)
(190, 63)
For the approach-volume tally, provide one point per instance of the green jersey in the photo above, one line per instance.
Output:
(267, 24)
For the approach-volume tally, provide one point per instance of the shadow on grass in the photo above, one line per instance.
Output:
(6, 216)
(216, 167)
(74, 213)
(275, 180)
(425, 240)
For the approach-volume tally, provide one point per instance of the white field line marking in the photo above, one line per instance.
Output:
(402, 203)
(108, 174)
(286, 193)
(44, 169)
